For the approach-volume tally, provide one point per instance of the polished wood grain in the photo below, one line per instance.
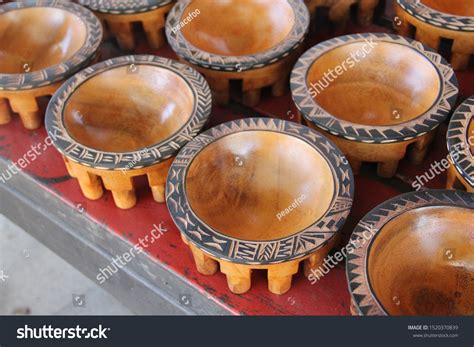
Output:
(251, 177)
(238, 27)
(456, 7)
(407, 88)
(144, 105)
(421, 263)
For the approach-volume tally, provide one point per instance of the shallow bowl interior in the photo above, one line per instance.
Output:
(33, 39)
(386, 84)
(241, 184)
(470, 136)
(238, 27)
(456, 7)
(422, 263)
(128, 108)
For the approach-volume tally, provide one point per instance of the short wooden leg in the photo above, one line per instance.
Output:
(251, 97)
(366, 11)
(281, 87)
(124, 199)
(355, 165)
(460, 61)
(220, 90)
(428, 38)
(124, 34)
(157, 180)
(387, 169)
(402, 26)
(280, 277)
(316, 260)
(238, 276)
(158, 193)
(155, 36)
(90, 184)
(204, 264)
(419, 149)
(28, 110)
(5, 113)
(122, 188)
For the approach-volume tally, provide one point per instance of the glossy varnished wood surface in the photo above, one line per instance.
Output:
(32, 39)
(238, 27)
(238, 184)
(421, 263)
(392, 84)
(456, 7)
(124, 109)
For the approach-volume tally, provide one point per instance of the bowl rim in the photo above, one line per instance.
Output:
(61, 71)
(250, 252)
(437, 18)
(457, 140)
(141, 158)
(207, 60)
(409, 130)
(363, 297)
(126, 7)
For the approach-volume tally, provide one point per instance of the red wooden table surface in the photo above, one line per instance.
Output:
(329, 296)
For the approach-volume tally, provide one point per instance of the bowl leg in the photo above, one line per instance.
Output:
(5, 113)
(123, 33)
(387, 169)
(91, 185)
(420, 147)
(238, 276)
(280, 87)
(122, 188)
(204, 264)
(28, 109)
(452, 179)
(366, 11)
(355, 165)
(154, 32)
(429, 38)
(280, 277)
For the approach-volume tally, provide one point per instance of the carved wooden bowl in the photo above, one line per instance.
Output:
(461, 147)
(127, 117)
(242, 197)
(417, 258)
(374, 103)
(119, 16)
(256, 43)
(435, 21)
(42, 43)
(340, 10)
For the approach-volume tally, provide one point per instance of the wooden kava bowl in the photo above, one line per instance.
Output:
(435, 22)
(252, 44)
(242, 197)
(127, 117)
(417, 258)
(42, 43)
(119, 16)
(374, 95)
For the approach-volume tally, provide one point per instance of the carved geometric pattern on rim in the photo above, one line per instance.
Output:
(373, 134)
(154, 154)
(260, 252)
(62, 71)
(124, 6)
(439, 19)
(460, 141)
(208, 60)
(356, 263)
